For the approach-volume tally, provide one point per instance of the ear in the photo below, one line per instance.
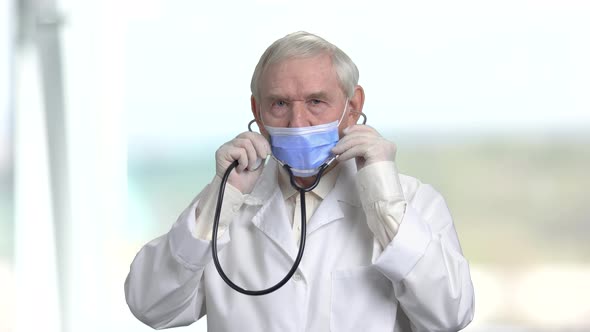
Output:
(254, 106)
(355, 106)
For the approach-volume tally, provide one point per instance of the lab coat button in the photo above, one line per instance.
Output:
(297, 277)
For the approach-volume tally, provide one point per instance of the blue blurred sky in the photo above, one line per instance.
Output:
(182, 68)
(443, 66)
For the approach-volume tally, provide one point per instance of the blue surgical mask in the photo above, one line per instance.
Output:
(305, 149)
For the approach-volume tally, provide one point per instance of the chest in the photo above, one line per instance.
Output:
(335, 269)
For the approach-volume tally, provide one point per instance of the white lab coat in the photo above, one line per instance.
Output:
(345, 282)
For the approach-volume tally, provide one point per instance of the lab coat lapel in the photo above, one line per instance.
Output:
(344, 191)
(271, 218)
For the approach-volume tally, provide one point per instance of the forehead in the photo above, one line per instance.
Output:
(299, 77)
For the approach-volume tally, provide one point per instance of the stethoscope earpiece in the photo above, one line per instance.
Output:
(364, 117)
(250, 125)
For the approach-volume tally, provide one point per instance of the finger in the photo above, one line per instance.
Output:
(353, 152)
(262, 152)
(359, 135)
(260, 143)
(262, 146)
(354, 134)
(247, 145)
(348, 142)
(251, 136)
(239, 154)
(360, 128)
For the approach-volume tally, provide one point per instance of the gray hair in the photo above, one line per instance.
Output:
(302, 45)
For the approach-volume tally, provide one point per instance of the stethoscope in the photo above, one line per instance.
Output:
(302, 191)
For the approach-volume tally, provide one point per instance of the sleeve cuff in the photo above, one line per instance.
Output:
(202, 227)
(191, 252)
(408, 247)
(379, 182)
(382, 199)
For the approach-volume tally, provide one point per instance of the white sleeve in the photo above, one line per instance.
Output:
(205, 210)
(382, 199)
(425, 263)
(164, 287)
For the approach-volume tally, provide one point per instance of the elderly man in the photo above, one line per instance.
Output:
(381, 253)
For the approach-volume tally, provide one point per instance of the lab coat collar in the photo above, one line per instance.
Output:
(322, 190)
(266, 185)
(271, 218)
(344, 190)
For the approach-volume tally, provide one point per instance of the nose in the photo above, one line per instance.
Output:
(299, 115)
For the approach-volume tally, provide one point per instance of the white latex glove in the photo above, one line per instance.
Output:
(364, 143)
(250, 150)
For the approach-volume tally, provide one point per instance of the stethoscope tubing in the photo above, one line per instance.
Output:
(302, 238)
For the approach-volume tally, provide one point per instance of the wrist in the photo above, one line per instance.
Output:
(379, 181)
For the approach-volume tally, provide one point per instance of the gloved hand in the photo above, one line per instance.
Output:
(366, 145)
(250, 150)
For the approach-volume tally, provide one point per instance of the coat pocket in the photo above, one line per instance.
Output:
(362, 300)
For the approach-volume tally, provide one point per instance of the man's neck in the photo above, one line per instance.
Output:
(306, 182)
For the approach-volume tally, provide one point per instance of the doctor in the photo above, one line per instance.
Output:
(381, 254)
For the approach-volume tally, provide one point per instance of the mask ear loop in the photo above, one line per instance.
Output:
(327, 163)
(272, 155)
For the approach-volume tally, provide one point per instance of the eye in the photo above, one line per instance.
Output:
(279, 107)
(315, 101)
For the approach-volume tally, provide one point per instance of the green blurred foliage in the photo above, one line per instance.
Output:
(515, 200)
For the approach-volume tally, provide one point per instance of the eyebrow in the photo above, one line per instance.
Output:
(318, 95)
(314, 95)
(273, 97)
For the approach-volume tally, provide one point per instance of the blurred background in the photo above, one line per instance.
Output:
(110, 113)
